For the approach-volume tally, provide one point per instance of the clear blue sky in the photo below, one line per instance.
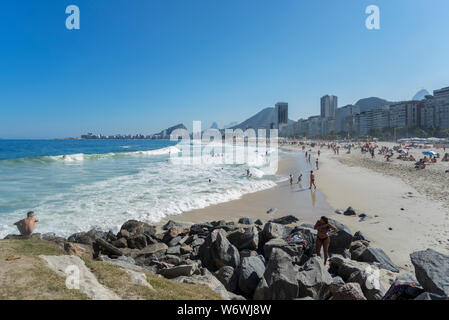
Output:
(141, 66)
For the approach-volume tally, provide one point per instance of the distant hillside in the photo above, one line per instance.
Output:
(421, 95)
(262, 119)
(371, 103)
(214, 126)
(165, 134)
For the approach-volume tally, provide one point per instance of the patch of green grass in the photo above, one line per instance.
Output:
(29, 278)
(115, 278)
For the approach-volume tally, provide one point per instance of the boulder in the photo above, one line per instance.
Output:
(313, 279)
(258, 222)
(178, 271)
(170, 224)
(340, 240)
(356, 250)
(217, 251)
(228, 277)
(359, 236)
(175, 241)
(432, 271)
(250, 272)
(247, 253)
(337, 283)
(378, 256)
(211, 281)
(201, 229)
(138, 241)
(349, 212)
(247, 238)
(430, 296)
(153, 249)
(279, 281)
(137, 227)
(273, 230)
(83, 237)
(120, 243)
(349, 291)
(285, 220)
(370, 283)
(176, 250)
(107, 248)
(246, 221)
(292, 250)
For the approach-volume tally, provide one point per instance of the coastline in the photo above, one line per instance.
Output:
(298, 201)
(423, 223)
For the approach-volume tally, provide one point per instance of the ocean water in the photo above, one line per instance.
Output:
(76, 185)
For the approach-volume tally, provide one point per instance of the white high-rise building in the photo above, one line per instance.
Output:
(329, 106)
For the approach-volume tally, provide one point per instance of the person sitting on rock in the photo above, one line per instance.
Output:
(323, 226)
(27, 225)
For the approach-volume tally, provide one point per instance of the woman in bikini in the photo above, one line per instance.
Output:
(312, 180)
(323, 226)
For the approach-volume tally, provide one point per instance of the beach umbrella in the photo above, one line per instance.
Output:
(429, 153)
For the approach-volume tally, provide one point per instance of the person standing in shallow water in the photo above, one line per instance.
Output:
(312, 180)
(323, 226)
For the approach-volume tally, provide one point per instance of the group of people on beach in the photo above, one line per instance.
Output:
(312, 179)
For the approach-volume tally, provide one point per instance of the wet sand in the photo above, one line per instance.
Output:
(296, 200)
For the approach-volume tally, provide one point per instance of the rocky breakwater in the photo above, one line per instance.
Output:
(264, 261)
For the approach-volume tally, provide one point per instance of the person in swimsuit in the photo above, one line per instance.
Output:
(291, 180)
(312, 180)
(26, 226)
(323, 226)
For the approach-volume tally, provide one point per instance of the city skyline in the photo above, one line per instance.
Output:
(143, 67)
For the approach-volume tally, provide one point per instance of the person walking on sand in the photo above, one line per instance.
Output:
(316, 163)
(312, 180)
(291, 180)
(323, 226)
(299, 178)
(26, 226)
(319, 152)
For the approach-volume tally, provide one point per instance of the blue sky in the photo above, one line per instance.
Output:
(141, 66)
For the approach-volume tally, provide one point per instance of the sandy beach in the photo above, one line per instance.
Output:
(414, 204)
(409, 207)
(296, 200)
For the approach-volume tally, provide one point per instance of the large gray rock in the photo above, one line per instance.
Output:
(344, 267)
(250, 271)
(292, 250)
(349, 291)
(273, 230)
(285, 220)
(370, 283)
(340, 240)
(138, 227)
(430, 296)
(432, 271)
(378, 256)
(228, 277)
(178, 271)
(313, 279)
(246, 221)
(153, 249)
(211, 281)
(217, 251)
(247, 238)
(280, 278)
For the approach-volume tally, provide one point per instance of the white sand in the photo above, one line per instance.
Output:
(377, 188)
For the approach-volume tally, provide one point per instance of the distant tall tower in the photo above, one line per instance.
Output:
(329, 106)
(281, 113)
